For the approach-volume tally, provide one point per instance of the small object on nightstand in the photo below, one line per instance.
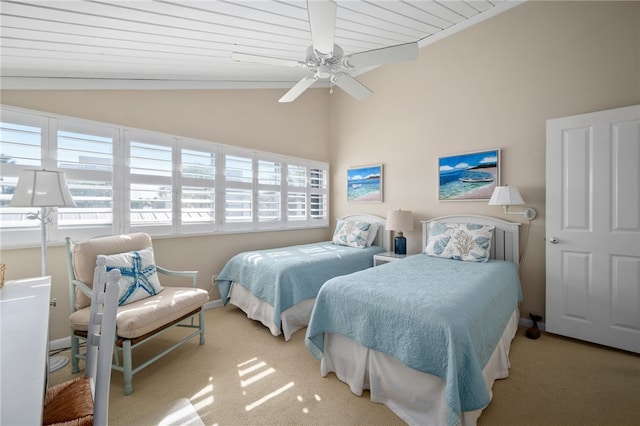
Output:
(534, 332)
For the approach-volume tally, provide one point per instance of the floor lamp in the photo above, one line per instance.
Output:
(44, 189)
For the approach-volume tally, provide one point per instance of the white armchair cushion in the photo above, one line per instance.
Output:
(144, 316)
(139, 278)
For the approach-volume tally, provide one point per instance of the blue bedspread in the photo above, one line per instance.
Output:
(284, 277)
(440, 316)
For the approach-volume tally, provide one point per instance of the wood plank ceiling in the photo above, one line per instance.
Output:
(173, 44)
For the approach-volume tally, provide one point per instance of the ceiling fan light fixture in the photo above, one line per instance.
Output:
(324, 72)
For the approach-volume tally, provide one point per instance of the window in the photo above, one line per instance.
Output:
(126, 180)
(85, 153)
(269, 192)
(318, 204)
(21, 147)
(238, 195)
(197, 189)
(150, 191)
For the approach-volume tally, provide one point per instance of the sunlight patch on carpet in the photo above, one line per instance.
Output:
(269, 396)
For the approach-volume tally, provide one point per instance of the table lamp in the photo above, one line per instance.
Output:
(399, 220)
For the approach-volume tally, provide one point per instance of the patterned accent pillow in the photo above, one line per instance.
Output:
(139, 278)
(351, 233)
(470, 242)
(439, 235)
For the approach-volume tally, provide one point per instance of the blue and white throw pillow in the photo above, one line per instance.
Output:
(470, 242)
(439, 235)
(461, 241)
(351, 233)
(139, 278)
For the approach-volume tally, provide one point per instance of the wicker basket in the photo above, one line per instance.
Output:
(3, 267)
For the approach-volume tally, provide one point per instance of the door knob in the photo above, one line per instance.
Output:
(554, 240)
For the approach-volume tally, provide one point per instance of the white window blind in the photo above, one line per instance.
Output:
(86, 154)
(150, 183)
(197, 189)
(269, 192)
(296, 194)
(22, 143)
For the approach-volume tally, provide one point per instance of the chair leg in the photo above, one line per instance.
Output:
(127, 367)
(75, 351)
(201, 319)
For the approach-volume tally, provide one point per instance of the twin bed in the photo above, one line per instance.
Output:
(278, 286)
(427, 335)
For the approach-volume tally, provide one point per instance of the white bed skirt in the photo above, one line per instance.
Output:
(414, 396)
(293, 319)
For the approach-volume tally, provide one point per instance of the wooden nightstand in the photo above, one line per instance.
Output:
(386, 257)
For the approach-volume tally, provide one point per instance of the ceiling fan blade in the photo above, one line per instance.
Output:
(322, 20)
(297, 90)
(352, 86)
(385, 55)
(257, 59)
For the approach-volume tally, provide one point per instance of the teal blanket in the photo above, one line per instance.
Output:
(284, 277)
(439, 316)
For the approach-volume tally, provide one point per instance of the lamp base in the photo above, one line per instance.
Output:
(400, 244)
(57, 362)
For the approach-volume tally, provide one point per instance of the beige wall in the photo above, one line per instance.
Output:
(491, 86)
(247, 118)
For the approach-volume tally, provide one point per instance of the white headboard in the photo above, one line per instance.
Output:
(382, 239)
(506, 238)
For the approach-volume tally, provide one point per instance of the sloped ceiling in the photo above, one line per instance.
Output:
(158, 44)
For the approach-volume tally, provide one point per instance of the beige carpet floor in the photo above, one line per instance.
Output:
(245, 376)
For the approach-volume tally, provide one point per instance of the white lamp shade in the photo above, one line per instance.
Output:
(42, 188)
(506, 196)
(399, 220)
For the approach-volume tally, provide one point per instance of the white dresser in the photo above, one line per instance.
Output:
(24, 325)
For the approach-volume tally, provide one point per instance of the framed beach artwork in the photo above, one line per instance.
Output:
(364, 184)
(469, 177)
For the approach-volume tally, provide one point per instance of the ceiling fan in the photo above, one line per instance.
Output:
(327, 61)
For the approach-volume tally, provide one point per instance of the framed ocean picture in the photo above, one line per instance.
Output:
(468, 177)
(364, 184)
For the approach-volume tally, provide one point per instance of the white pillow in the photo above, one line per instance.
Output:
(139, 278)
(373, 233)
(351, 233)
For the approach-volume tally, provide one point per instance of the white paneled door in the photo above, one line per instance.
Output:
(593, 227)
